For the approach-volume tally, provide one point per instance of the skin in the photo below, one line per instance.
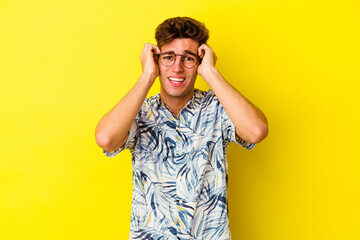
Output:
(112, 130)
(176, 97)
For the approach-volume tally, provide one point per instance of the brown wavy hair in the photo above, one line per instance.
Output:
(181, 27)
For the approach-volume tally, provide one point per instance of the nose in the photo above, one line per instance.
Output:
(178, 66)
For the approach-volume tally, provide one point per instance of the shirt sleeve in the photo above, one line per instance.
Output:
(229, 133)
(130, 143)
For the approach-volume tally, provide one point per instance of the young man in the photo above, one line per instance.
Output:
(178, 138)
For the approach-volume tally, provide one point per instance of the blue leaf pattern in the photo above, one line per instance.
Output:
(180, 170)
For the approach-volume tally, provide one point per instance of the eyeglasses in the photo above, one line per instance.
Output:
(168, 59)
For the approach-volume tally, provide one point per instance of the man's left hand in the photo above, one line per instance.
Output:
(208, 59)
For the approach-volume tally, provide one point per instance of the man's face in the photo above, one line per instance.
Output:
(177, 81)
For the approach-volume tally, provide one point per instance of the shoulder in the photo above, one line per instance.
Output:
(149, 105)
(205, 98)
(153, 101)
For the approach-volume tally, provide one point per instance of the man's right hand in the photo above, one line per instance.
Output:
(148, 59)
(112, 130)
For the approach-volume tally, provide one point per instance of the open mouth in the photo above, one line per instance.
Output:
(176, 81)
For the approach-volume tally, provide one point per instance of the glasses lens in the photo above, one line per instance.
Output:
(167, 59)
(189, 60)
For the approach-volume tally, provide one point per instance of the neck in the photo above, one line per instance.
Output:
(176, 104)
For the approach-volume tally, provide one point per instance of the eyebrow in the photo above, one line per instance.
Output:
(185, 51)
(191, 53)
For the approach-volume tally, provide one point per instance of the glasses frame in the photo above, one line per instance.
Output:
(182, 59)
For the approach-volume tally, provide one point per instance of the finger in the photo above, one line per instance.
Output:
(146, 49)
(156, 50)
(201, 51)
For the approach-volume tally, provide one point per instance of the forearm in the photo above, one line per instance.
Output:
(112, 130)
(250, 123)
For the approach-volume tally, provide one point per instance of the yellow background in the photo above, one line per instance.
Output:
(63, 64)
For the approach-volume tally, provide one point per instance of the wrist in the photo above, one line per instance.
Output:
(209, 73)
(149, 76)
(147, 79)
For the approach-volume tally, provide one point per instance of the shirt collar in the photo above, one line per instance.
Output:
(193, 102)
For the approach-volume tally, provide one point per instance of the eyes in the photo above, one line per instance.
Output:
(184, 58)
(168, 57)
(188, 60)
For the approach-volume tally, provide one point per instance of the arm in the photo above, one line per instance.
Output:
(112, 130)
(250, 123)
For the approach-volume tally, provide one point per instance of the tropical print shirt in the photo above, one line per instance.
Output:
(180, 173)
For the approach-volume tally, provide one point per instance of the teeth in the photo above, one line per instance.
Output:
(177, 79)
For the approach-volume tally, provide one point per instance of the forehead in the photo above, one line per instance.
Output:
(179, 45)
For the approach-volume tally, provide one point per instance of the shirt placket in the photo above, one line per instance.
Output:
(181, 158)
(175, 130)
(178, 158)
(178, 152)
